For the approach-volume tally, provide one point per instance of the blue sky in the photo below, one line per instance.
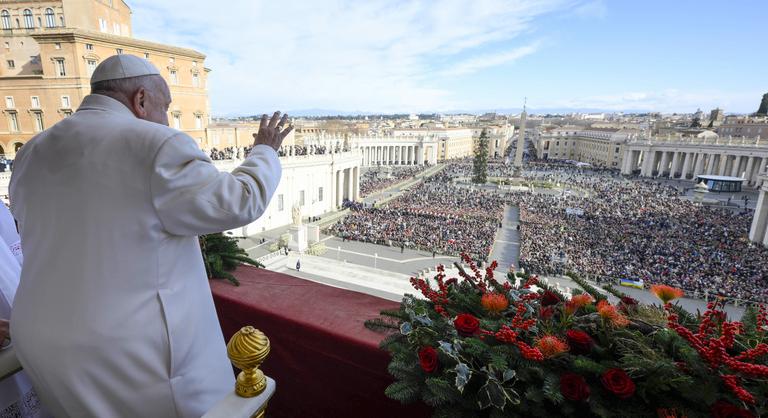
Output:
(444, 55)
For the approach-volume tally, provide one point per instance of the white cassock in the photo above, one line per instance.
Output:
(114, 315)
(17, 399)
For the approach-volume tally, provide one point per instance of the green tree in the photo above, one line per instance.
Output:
(480, 165)
(696, 123)
(221, 254)
(763, 110)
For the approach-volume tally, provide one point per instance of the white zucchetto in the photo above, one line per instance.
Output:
(123, 66)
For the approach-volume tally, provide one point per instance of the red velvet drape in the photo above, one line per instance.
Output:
(325, 362)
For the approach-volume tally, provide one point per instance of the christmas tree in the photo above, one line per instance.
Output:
(480, 164)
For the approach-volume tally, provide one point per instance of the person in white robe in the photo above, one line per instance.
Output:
(114, 315)
(17, 398)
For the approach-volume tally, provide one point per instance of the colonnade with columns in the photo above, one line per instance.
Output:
(398, 154)
(759, 231)
(687, 164)
(346, 185)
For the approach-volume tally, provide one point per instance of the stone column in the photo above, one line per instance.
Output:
(735, 165)
(339, 188)
(723, 165)
(750, 168)
(686, 165)
(699, 168)
(674, 166)
(625, 162)
(757, 231)
(649, 161)
(350, 183)
(356, 179)
(710, 163)
(663, 165)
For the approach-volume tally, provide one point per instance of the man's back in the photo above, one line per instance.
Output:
(113, 283)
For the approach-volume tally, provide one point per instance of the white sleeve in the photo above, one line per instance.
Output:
(192, 197)
(9, 234)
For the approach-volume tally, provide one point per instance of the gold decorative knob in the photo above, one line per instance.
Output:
(247, 349)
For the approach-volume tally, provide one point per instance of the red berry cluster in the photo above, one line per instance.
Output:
(762, 318)
(732, 383)
(482, 282)
(438, 297)
(510, 333)
(713, 340)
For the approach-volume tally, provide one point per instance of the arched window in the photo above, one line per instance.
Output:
(29, 22)
(6, 19)
(50, 18)
(17, 146)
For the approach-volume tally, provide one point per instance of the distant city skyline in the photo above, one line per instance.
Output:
(378, 56)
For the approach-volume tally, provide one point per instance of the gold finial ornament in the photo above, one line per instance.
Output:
(247, 349)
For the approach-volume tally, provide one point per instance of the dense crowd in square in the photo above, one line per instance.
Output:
(638, 229)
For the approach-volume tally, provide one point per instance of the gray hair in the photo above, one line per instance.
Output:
(125, 87)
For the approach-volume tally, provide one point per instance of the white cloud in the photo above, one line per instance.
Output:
(373, 55)
(591, 9)
(474, 64)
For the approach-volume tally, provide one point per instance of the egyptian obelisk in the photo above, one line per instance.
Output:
(520, 140)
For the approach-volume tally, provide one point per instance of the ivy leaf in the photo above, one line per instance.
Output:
(406, 328)
(509, 374)
(423, 319)
(491, 393)
(448, 349)
(463, 374)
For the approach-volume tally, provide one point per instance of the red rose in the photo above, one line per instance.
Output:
(574, 387)
(629, 301)
(428, 359)
(466, 324)
(549, 299)
(723, 409)
(547, 312)
(618, 382)
(579, 341)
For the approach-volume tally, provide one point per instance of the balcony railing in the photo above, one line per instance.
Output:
(247, 349)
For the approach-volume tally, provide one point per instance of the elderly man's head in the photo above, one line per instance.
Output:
(148, 96)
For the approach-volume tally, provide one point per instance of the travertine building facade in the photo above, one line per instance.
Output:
(50, 48)
(600, 147)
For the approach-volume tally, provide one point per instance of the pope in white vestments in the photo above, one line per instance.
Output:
(17, 399)
(113, 315)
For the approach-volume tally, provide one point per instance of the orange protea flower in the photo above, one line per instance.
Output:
(576, 302)
(494, 302)
(550, 346)
(609, 313)
(666, 293)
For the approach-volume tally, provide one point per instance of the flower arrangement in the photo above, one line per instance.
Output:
(475, 346)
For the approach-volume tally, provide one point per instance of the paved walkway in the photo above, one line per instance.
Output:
(409, 261)
(506, 248)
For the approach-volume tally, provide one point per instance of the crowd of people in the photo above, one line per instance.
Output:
(607, 226)
(239, 153)
(434, 216)
(374, 180)
(615, 228)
